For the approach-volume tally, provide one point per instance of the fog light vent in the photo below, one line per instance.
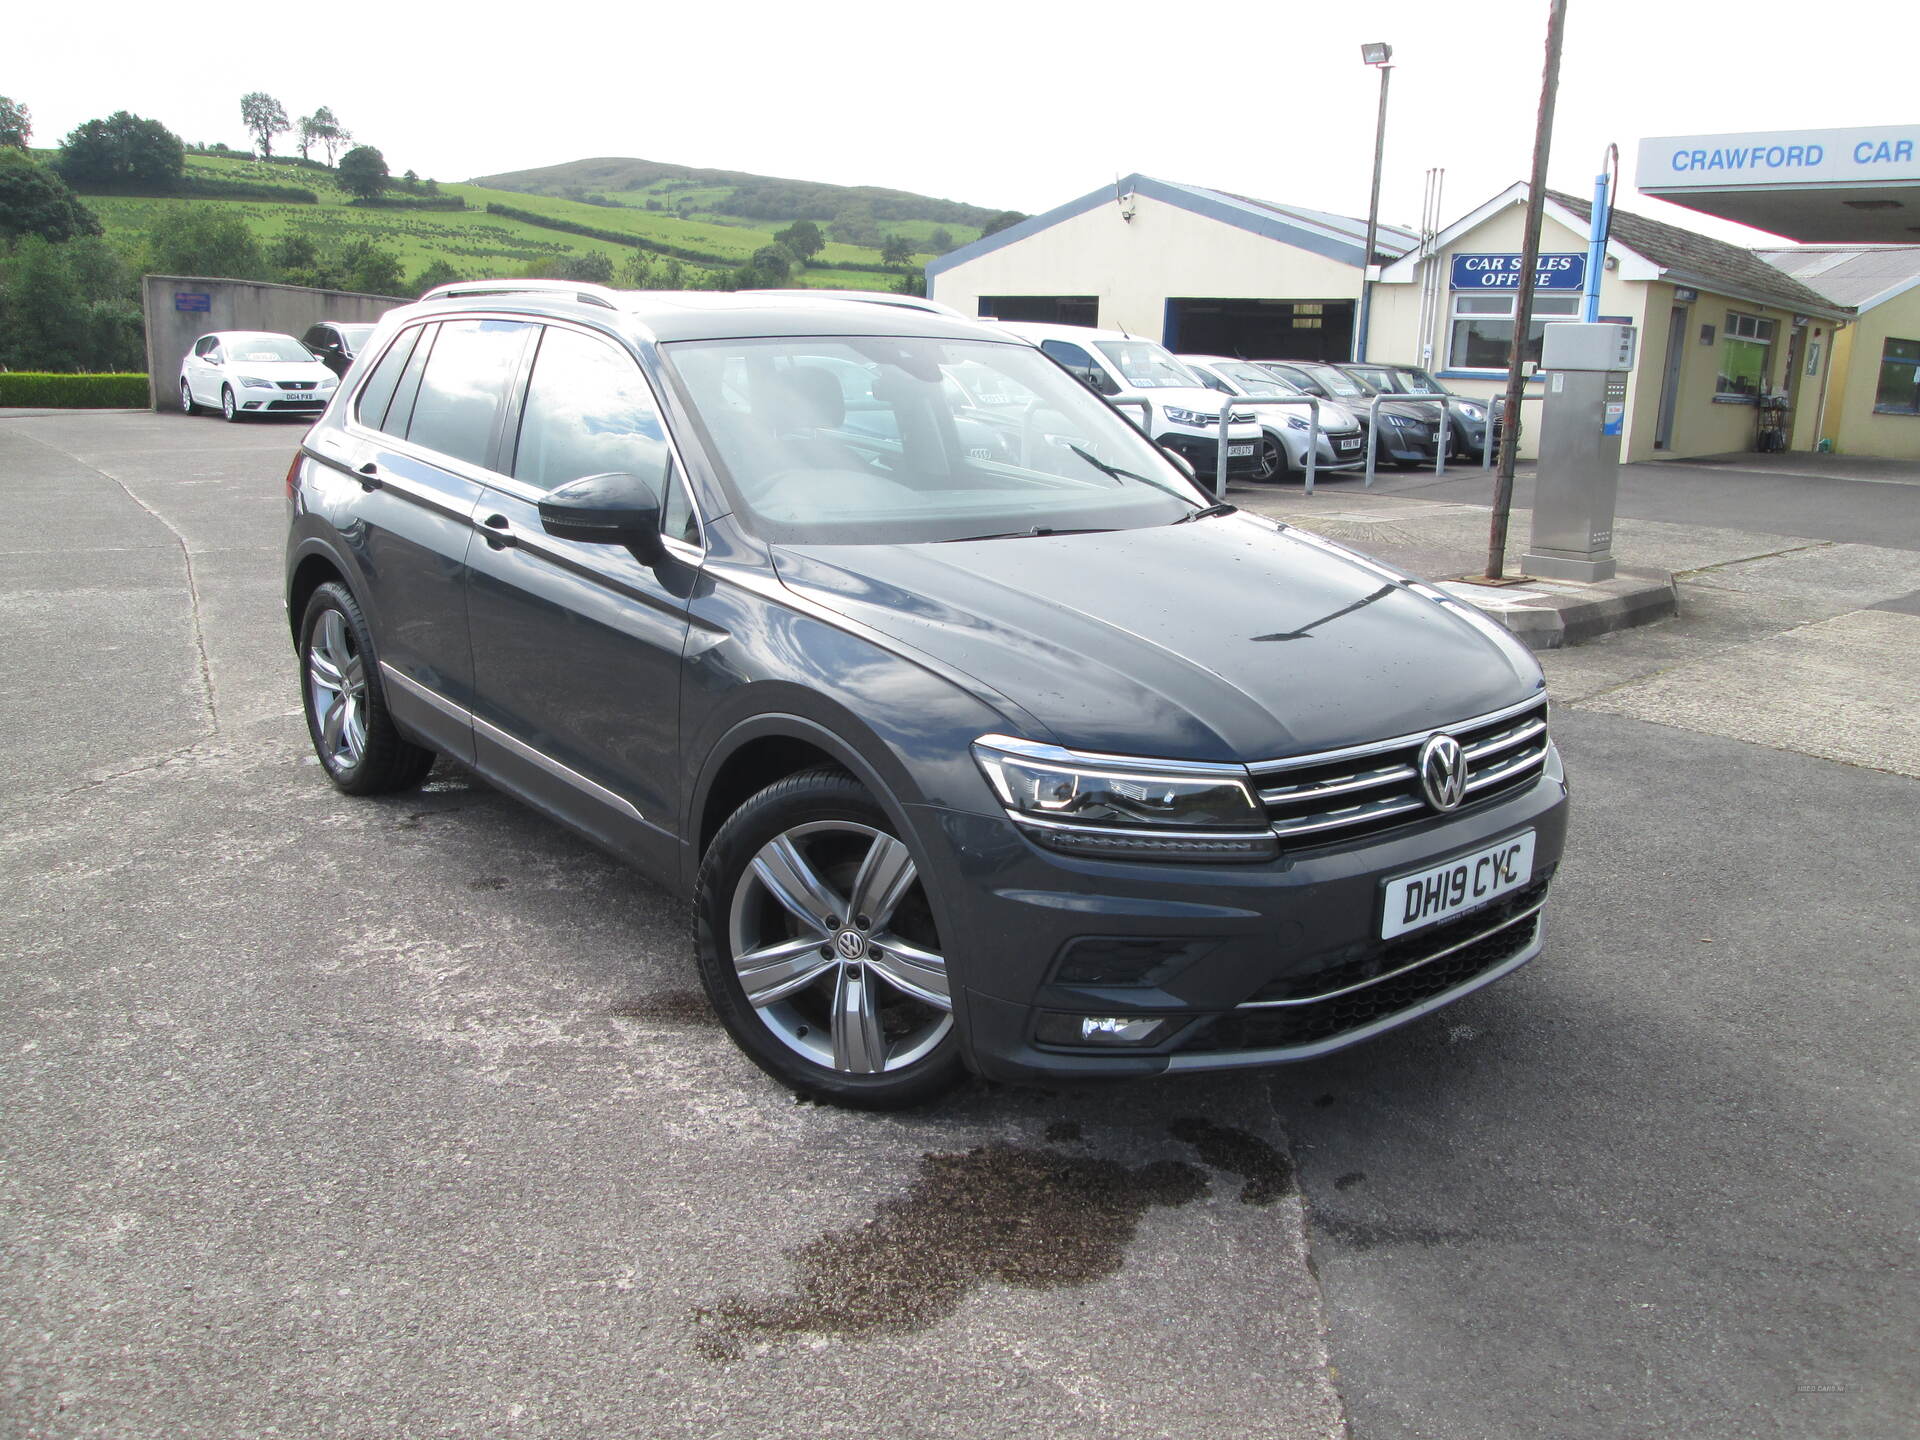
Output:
(1117, 960)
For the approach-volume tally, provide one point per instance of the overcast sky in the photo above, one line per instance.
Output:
(1020, 106)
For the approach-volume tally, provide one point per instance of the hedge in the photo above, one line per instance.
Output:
(39, 391)
(615, 237)
(204, 188)
(428, 202)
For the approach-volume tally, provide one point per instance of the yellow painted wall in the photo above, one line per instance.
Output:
(1135, 265)
(1850, 421)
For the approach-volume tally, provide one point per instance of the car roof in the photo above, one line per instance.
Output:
(248, 335)
(670, 315)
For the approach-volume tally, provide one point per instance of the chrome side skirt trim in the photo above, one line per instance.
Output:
(425, 696)
(509, 743)
(1440, 954)
(554, 768)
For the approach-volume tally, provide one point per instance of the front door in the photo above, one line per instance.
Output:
(576, 647)
(1670, 381)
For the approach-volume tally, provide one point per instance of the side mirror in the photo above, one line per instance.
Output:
(611, 509)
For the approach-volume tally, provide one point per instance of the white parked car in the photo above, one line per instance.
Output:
(1182, 414)
(1343, 443)
(254, 372)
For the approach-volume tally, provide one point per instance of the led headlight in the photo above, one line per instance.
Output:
(1296, 422)
(1198, 419)
(1115, 806)
(254, 382)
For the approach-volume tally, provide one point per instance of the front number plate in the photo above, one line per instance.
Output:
(1239, 450)
(1449, 889)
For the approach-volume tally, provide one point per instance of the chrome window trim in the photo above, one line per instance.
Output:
(1355, 752)
(494, 479)
(1440, 954)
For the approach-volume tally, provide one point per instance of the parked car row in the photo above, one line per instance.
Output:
(242, 373)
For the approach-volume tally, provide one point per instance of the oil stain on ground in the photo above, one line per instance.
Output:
(999, 1212)
(1268, 1173)
(668, 1007)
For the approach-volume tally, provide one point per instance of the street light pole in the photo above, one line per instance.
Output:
(1376, 54)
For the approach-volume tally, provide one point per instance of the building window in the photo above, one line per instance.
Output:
(1899, 392)
(1042, 309)
(1483, 327)
(1746, 349)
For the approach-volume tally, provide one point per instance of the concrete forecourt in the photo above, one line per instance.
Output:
(338, 1118)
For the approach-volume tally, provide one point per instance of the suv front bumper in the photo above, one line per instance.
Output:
(1248, 964)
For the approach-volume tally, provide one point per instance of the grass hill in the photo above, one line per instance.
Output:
(687, 219)
(731, 196)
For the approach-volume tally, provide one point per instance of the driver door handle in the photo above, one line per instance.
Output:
(499, 532)
(369, 476)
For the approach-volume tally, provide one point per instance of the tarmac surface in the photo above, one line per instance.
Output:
(348, 1118)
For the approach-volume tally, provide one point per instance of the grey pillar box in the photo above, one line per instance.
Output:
(1580, 432)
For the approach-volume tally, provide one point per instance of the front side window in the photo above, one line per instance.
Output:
(1746, 346)
(465, 387)
(1483, 327)
(206, 346)
(1147, 366)
(1082, 366)
(799, 470)
(1899, 389)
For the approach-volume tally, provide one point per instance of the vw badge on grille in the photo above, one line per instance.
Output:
(1443, 772)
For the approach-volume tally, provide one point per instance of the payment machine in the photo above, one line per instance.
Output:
(1583, 417)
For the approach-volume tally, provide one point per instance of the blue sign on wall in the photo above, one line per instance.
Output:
(1502, 272)
(192, 300)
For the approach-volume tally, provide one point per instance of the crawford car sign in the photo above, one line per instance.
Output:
(1502, 272)
(1870, 155)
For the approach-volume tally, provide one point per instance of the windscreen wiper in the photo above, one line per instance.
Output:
(1038, 530)
(1207, 512)
(1115, 471)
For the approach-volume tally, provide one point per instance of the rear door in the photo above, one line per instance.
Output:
(577, 647)
(424, 430)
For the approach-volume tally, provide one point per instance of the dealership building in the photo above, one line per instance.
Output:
(1738, 347)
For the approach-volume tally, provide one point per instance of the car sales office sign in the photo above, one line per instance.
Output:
(1502, 272)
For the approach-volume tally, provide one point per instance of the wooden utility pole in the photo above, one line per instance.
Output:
(1523, 307)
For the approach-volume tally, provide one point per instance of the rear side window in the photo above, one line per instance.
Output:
(465, 387)
(377, 394)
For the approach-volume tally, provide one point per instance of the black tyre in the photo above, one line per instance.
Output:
(229, 411)
(347, 717)
(1271, 468)
(818, 949)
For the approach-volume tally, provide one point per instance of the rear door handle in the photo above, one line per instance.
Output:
(500, 533)
(369, 476)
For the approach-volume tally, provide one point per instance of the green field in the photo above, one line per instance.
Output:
(479, 244)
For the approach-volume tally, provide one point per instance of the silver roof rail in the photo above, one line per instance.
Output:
(871, 297)
(587, 294)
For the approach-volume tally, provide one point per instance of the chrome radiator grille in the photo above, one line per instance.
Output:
(1318, 799)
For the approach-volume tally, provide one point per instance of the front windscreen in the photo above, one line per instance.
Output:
(1254, 380)
(1415, 381)
(267, 349)
(1337, 381)
(1145, 366)
(355, 335)
(882, 440)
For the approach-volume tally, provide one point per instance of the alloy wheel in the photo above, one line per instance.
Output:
(835, 948)
(337, 685)
(186, 397)
(226, 404)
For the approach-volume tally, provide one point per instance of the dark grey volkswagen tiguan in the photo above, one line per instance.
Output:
(980, 738)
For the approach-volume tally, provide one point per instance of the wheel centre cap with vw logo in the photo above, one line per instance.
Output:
(851, 944)
(1443, 772)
